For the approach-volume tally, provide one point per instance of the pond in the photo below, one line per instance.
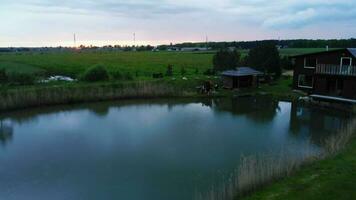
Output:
(153, 149)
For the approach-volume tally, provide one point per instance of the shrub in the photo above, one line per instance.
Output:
(128, 76)
(95, 73)
(157, 75)
(3, 76)
(209, 72)
(21, 78)
(117, 75)
(183, 71)
(196, 71)
(169, 70)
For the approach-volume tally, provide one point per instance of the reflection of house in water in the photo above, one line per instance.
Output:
(6, 132)
(259, 109)
(321, 123)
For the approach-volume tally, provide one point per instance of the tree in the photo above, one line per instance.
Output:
(265, 57)
(224, 60)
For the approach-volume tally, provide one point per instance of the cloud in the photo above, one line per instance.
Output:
(295, 13)
(172, 20)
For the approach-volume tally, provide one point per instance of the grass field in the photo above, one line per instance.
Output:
(72, 64)
(141, 63)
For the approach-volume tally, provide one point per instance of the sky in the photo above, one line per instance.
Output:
(34, 23)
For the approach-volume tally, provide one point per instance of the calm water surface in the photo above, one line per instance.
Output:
(157, 149)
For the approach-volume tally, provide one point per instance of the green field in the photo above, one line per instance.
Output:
(72, 64)
(141, 63)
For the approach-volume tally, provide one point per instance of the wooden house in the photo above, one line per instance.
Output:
(327, 75)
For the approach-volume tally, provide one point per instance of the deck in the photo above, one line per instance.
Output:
(331, 98)
(335, 70)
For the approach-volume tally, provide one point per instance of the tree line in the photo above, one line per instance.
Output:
(264, 58)
(298, 43)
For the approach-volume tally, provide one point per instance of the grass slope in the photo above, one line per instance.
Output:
(12, 67)
(334, 178)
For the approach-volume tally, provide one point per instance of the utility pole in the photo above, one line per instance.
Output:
(206, 41)
(134, 37)
(75, 41)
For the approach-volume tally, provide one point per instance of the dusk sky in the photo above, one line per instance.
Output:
(53, 22)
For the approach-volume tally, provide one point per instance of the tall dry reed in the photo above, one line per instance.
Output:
(52, 95)
(255, 171)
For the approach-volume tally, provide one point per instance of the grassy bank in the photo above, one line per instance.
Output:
(310, 174)
(333, 177)
(17, 97)
(24, 97)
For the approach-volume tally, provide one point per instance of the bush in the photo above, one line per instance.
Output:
(117, 75)
(128, 76)
(183, 71)
(209, 72)
(3, 76)
(157, 75)
(21, 79)
(169, 70)
(95, 73)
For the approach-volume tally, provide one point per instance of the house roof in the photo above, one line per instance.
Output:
(351, 50)
(242, 71)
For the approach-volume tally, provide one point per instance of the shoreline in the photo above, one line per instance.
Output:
(36, 97)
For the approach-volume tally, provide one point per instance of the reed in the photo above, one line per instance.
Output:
(256, 171)
(40, 96)
(337, 142)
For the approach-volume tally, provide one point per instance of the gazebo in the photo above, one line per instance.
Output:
(242, 77)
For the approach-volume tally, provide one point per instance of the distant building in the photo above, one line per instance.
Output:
(195, 49)
(173, 49)
(242, 77)
(329, 75)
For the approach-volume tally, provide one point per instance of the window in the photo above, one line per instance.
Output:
(305, 81)
(310, 62)
(346, 61)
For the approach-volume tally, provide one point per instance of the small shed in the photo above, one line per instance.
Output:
(242, 77)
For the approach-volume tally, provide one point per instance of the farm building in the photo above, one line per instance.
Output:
(242, 77)
(195, 49)
(327, 75)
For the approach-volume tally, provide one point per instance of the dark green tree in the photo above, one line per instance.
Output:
(265, 57)
(224, 60)
(3, 76)
(169, 71)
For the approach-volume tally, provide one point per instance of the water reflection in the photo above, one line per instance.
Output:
(316, 122)
(6, 132)
(156, 149)
(258, 109)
